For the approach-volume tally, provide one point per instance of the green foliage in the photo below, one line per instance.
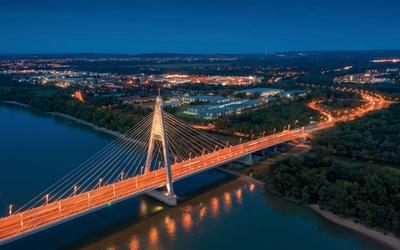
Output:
(367, 192)
(268, 118)
(370, 194)
(118, 117)
(374, 137)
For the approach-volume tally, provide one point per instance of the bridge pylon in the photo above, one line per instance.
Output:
(158, 134)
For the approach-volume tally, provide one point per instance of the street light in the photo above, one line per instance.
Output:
(10, 207)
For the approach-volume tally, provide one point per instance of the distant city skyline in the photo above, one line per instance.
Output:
(229, 27)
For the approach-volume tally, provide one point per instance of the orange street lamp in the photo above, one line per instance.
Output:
(10, 207)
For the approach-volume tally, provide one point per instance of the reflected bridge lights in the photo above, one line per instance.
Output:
(170, 224)
(134, 244)
(153, 237)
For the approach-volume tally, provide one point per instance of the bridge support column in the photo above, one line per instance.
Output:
(246, 160)
(158, 134)
(167, 199)
(262, 153)
(276, 148)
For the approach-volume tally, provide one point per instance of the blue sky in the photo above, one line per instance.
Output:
(185, 26)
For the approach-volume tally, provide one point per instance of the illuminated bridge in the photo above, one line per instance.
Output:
(157, 152)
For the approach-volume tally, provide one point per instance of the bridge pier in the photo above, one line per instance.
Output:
(246, 160)
(304, 139)
(262, 153)
(170, 200)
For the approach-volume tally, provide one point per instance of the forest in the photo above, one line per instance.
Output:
(366, 191)
(277, 115)
(117, 117)
(375, 137)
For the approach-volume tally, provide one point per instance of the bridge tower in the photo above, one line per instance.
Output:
(158, 134)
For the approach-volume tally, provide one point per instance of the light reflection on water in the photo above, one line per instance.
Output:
(214, 207)
(238, 195)
(227, 201)
(153, 237)
(202, 212)
(252, 187)
(163, 227)
(227, 211)
(143, 208)
(187, 221)
(134, 244)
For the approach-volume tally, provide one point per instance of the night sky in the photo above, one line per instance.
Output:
(185, 26)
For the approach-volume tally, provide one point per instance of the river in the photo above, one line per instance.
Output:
(217, 211)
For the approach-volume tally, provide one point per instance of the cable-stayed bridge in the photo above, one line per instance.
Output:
(155, 153)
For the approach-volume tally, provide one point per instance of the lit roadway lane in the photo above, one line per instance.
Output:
(54, 212)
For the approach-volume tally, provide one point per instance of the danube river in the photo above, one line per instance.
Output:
(217, 211)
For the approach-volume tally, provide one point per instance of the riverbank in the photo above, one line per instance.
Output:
(101, 129)
(388, 240)
(69, 117)
(242, 176)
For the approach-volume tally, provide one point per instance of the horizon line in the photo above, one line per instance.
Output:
(191, 53)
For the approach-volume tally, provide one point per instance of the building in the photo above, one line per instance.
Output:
(360, 78)
(203, 98)
(138, 99)
(292, 93)
(263, 92)
(211, 111)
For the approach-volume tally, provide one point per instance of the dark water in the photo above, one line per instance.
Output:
(216, 212)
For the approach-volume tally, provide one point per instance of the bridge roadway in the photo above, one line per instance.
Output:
(36, 219)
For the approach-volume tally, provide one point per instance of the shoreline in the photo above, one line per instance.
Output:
(388, 240)
(101, 129)
(68, 117)
(242, 176)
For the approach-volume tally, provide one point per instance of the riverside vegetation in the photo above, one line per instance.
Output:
(103, 112)
(368, 191)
